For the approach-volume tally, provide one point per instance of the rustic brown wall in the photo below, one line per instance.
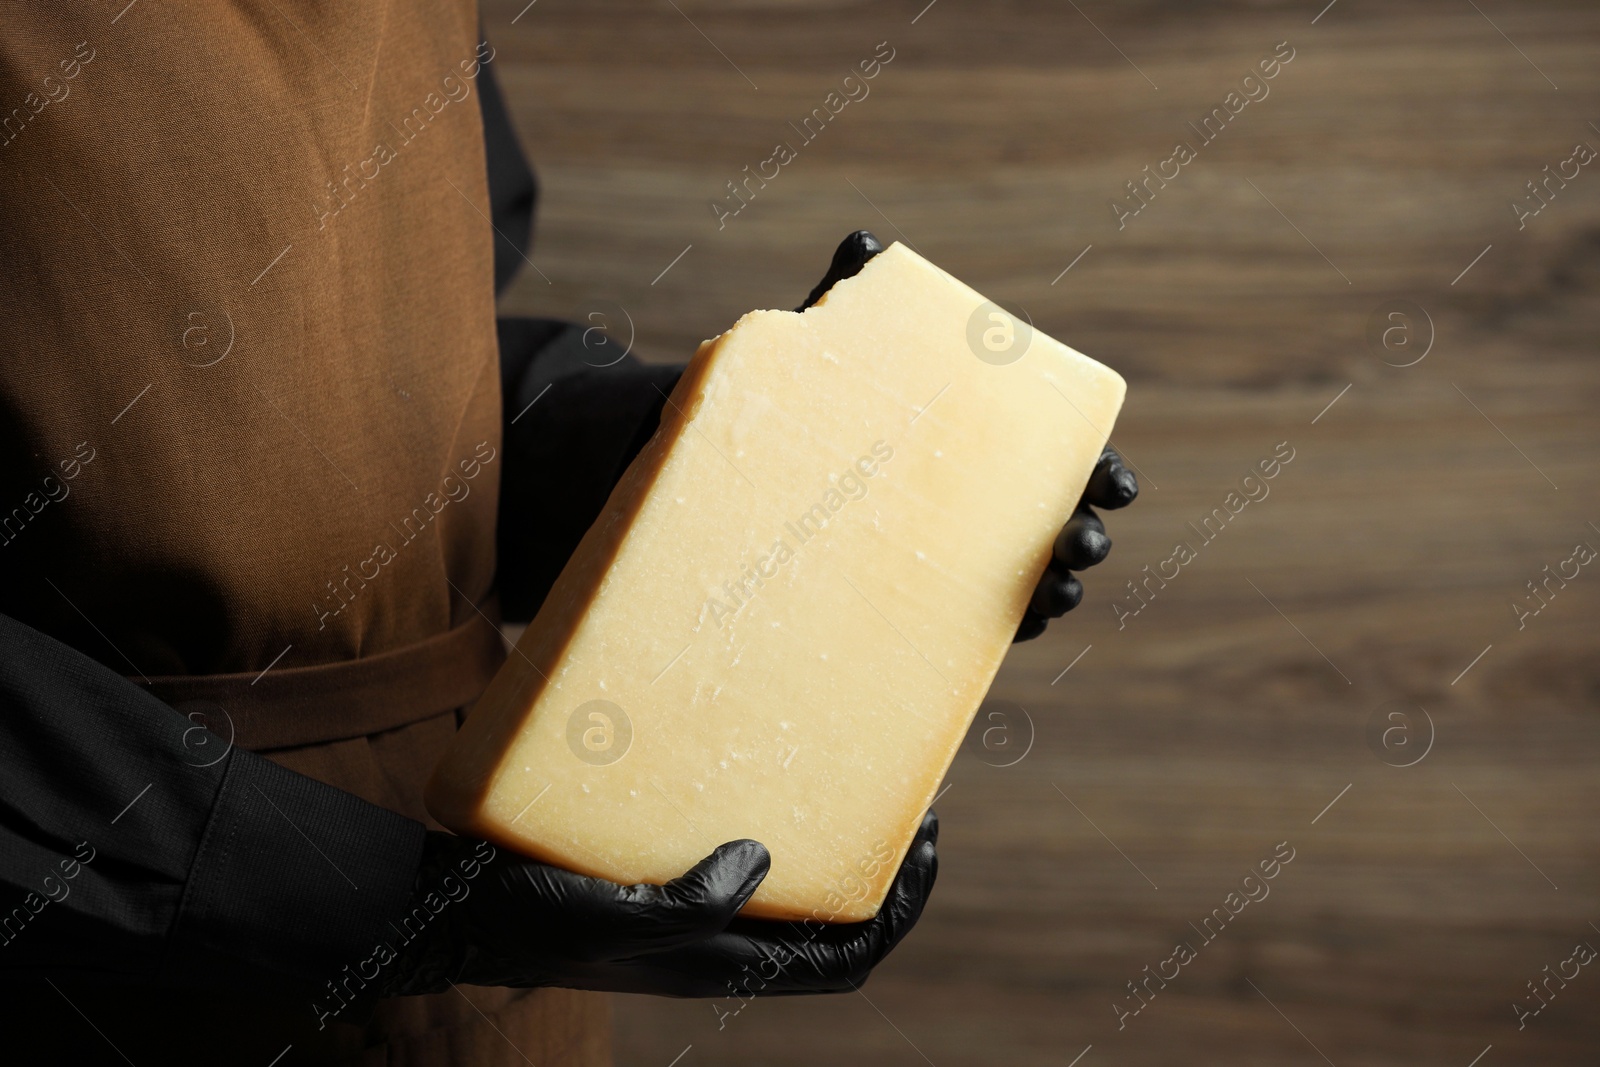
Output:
(1234, 708)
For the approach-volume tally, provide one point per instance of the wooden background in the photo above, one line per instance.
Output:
(1225, 717)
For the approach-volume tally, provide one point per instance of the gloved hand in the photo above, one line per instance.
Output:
(1082, 542)
(511, 921)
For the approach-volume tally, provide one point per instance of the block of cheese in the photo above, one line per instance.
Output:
(795, 600)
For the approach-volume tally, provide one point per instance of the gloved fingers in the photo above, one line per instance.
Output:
(1057, 593)
(796, 958)
(595, 920)
(908, 893)
(1112, 485)
(1031, 626)
(848, 259)
(1082, 542)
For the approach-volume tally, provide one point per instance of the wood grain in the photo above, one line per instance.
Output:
(1224, 717)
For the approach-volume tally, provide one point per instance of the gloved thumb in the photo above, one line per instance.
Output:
(696, 905)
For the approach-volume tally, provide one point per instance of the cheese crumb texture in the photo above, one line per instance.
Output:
(795, 600)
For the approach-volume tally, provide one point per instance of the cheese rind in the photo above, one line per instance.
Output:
(795, 600)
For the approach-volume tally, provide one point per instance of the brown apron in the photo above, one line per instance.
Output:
(250, 348)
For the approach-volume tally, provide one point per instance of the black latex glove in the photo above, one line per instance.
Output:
(500, 919)
(1082, 542)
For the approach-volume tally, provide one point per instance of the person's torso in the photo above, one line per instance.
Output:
(249, 403)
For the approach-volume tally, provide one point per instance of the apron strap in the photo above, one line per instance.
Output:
(337, 701)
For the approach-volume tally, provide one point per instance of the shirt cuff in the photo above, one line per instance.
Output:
(294, 879)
